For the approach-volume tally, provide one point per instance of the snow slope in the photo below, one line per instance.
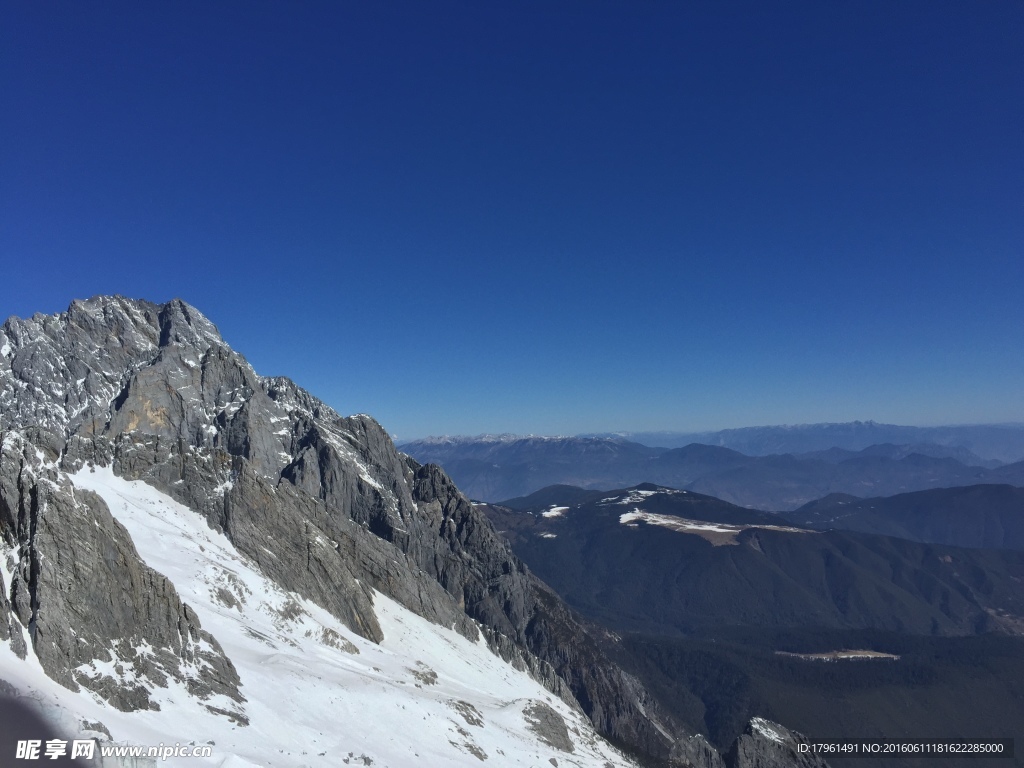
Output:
(316, 693)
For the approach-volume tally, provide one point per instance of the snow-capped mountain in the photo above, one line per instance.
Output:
(185, 542)
(193, 554)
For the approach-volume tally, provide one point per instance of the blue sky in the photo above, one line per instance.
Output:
(546, 217)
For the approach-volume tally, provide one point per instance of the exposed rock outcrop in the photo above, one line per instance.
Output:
(97, 616)
(322, 504)
(765, 744)
(696, 752)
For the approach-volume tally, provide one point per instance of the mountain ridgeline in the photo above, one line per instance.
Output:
(999, 443)
(171, 522)
(321, 504)
(979, 516)
(504, 467)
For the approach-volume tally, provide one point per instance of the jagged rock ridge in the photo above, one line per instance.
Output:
(324, 505)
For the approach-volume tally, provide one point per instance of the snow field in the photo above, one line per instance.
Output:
(316, 693)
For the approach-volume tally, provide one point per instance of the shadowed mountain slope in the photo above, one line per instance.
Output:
(727, 613)
(979, 516)
(655, 559)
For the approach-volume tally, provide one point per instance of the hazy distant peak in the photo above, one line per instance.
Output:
(978, 444)
(504, 437)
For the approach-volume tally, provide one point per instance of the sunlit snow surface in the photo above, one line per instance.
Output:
(682, 525)
(554, 511)
(315, 692)
(637, 496)
(767, 729)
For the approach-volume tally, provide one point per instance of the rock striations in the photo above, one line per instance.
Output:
(323, 505)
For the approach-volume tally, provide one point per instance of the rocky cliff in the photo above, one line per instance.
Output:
(324, 505)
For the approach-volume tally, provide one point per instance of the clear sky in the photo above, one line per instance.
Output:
(547, 217)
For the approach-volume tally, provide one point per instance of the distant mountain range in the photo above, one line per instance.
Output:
(495, 468)
(1000, 442)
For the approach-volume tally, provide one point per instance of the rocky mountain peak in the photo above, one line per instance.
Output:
(321, 505)
(63, 372)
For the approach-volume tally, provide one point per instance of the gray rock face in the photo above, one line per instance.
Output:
(80, 590)
(695, 752)
(764, 744)
(324, 505)
(548, 725)
(497, 589)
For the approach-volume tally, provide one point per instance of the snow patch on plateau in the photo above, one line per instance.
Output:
(675, 523)
(684, 525)
(637, 496)
(554, 511)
